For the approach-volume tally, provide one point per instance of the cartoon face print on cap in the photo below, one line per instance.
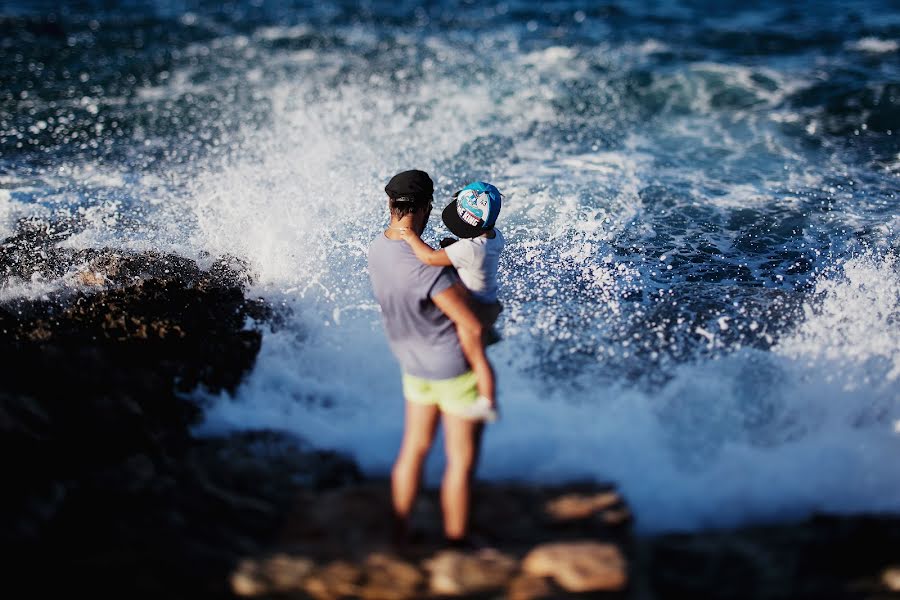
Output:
(473, 203)
(482, 202)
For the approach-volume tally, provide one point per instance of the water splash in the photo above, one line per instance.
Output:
(688, 311)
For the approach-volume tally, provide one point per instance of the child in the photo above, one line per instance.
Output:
(471, 217)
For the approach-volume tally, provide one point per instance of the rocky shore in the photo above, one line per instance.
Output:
(108, 493)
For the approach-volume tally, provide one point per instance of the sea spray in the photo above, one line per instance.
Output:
(691, 308)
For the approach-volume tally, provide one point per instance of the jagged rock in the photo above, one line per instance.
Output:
(338, 579)
(33, 250)
(279, 574)
(581, 506)
(247, 582)
(529, 587)
(106, 486)
(90, 278)
(232, 271)
(390, 578)
(454, 573)
(891, 578)
(578, 507)
(822, 557)
(579, 566)
(338, 521)
(246, 461)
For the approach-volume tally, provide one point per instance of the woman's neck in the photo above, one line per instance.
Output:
(397, 226)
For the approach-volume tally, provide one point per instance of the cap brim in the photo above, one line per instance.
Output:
(456, 225)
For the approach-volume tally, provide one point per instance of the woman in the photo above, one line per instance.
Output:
(437, 340)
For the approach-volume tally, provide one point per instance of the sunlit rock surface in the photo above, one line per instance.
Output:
(337, 544)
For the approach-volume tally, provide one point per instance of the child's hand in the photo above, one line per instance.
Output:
(407, 234)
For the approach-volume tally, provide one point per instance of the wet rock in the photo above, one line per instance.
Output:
(454, 573)
(579, 566)
(33, 250)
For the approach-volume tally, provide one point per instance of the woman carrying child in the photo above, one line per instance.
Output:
(438, 341)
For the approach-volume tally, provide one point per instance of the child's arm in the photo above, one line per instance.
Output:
(424, 252)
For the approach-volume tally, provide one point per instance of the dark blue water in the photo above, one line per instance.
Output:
(701, 284)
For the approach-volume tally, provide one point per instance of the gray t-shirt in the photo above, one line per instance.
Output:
(422, 337)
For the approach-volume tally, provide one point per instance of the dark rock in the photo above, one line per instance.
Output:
(824, 557)
(105, 488)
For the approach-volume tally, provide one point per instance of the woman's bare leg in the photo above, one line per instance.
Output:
(462, 442)
(418, 434)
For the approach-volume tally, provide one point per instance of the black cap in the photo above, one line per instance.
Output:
(474, 210)
(456, 225)
(414, 185)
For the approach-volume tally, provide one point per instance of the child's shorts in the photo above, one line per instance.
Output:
(452, 395)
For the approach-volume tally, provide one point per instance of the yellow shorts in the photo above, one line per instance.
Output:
(452, 395)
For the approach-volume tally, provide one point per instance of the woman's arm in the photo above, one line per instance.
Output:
(452, 303)
(424, 252)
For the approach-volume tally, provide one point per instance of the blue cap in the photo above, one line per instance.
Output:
(474, 211)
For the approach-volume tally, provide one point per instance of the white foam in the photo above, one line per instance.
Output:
(7, 209)
(717, 446)
(33, 289)
(873, 45)
(853, 323)
(554, 56)
(653, 46)
(280, 33)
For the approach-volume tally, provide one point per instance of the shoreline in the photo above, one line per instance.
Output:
(110, 491)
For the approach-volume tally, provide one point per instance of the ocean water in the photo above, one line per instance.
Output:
(702, 276)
